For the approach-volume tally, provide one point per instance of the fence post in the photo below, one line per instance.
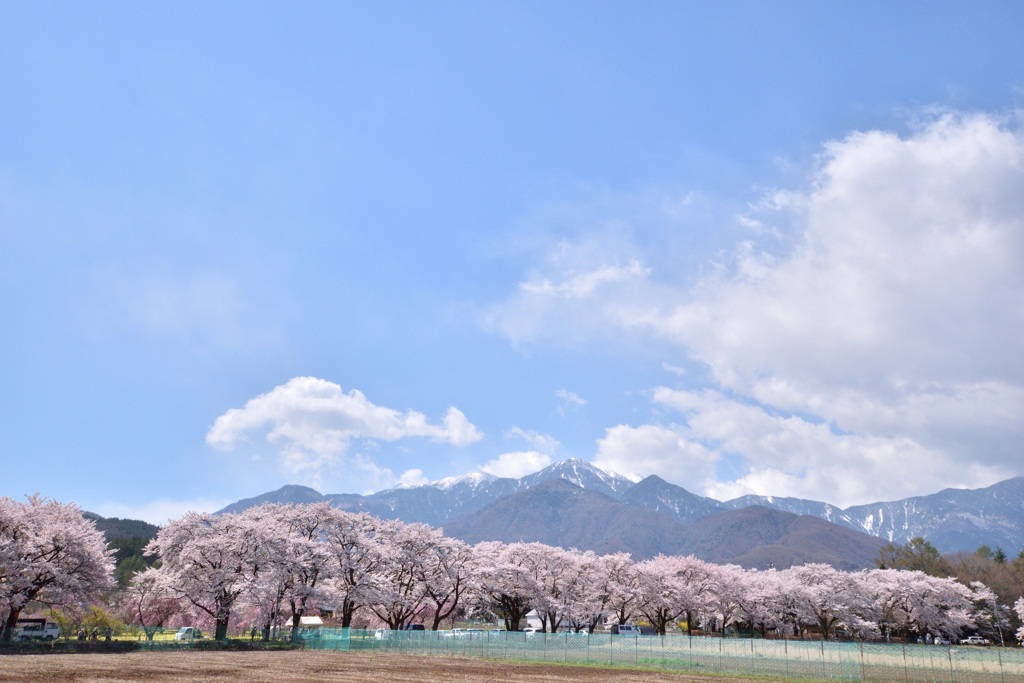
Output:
(753, 661)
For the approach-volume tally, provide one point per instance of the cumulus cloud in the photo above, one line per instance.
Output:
(517, 464)
(907, 262)
(311, 423)
(413, 477)
(896, 315)
(864, 343)
(654, 449)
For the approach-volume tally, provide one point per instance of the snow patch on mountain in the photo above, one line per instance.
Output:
(471, 480)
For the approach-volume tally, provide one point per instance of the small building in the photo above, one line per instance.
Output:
(309, 627)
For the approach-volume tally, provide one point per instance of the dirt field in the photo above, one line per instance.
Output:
(303, 667)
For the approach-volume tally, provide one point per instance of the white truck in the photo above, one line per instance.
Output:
(188, 633)
(35, 629)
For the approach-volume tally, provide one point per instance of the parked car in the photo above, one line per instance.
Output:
(382, 634)
(35, 629)
(415, 627)
(975, 640)
(188, 633)
(626, 629)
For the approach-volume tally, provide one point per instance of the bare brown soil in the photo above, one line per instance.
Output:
(305, 667)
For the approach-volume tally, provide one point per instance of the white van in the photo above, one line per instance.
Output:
(188, 633)
(626, 629)
(35, 629)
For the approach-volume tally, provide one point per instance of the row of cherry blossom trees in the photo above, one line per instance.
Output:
(51, 555)
(275, 560)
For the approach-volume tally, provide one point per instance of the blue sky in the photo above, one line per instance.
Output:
(748, 247)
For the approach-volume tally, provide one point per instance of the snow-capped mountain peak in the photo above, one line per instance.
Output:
(472, 480)
(583, 474)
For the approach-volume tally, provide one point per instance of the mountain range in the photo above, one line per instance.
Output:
(575, 504)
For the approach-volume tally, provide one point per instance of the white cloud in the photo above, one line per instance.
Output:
(573, 296)
(586, 284)
(897, 314)
(906, 269)
(311, 423)
(653, 449)
(517, 464)
(866, 343)
(570, 398)
(540, 442)
(413, 477)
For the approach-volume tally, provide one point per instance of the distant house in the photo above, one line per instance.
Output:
(533, 621)
(309, 626)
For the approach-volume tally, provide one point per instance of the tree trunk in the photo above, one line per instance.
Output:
(221, 633)
(12, 621)
(515, 609)
(436, 621)
(348, 608)
(296, 620)
(554, 620)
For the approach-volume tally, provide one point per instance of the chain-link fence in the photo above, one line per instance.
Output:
(813, 660)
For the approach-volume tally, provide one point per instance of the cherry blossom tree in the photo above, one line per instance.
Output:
(826, 597)
(741, 597)
(353, 560)
(447, 572)
(398, 589)
(912, 602)
(672, 587)
(145, 602)
(49, 553)
(555, 571)
(620, 588)
(990, 617)
(504, 584)
(295, 559)
(583, 598)
(212, 560)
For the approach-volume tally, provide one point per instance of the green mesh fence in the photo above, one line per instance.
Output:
(808, 660)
